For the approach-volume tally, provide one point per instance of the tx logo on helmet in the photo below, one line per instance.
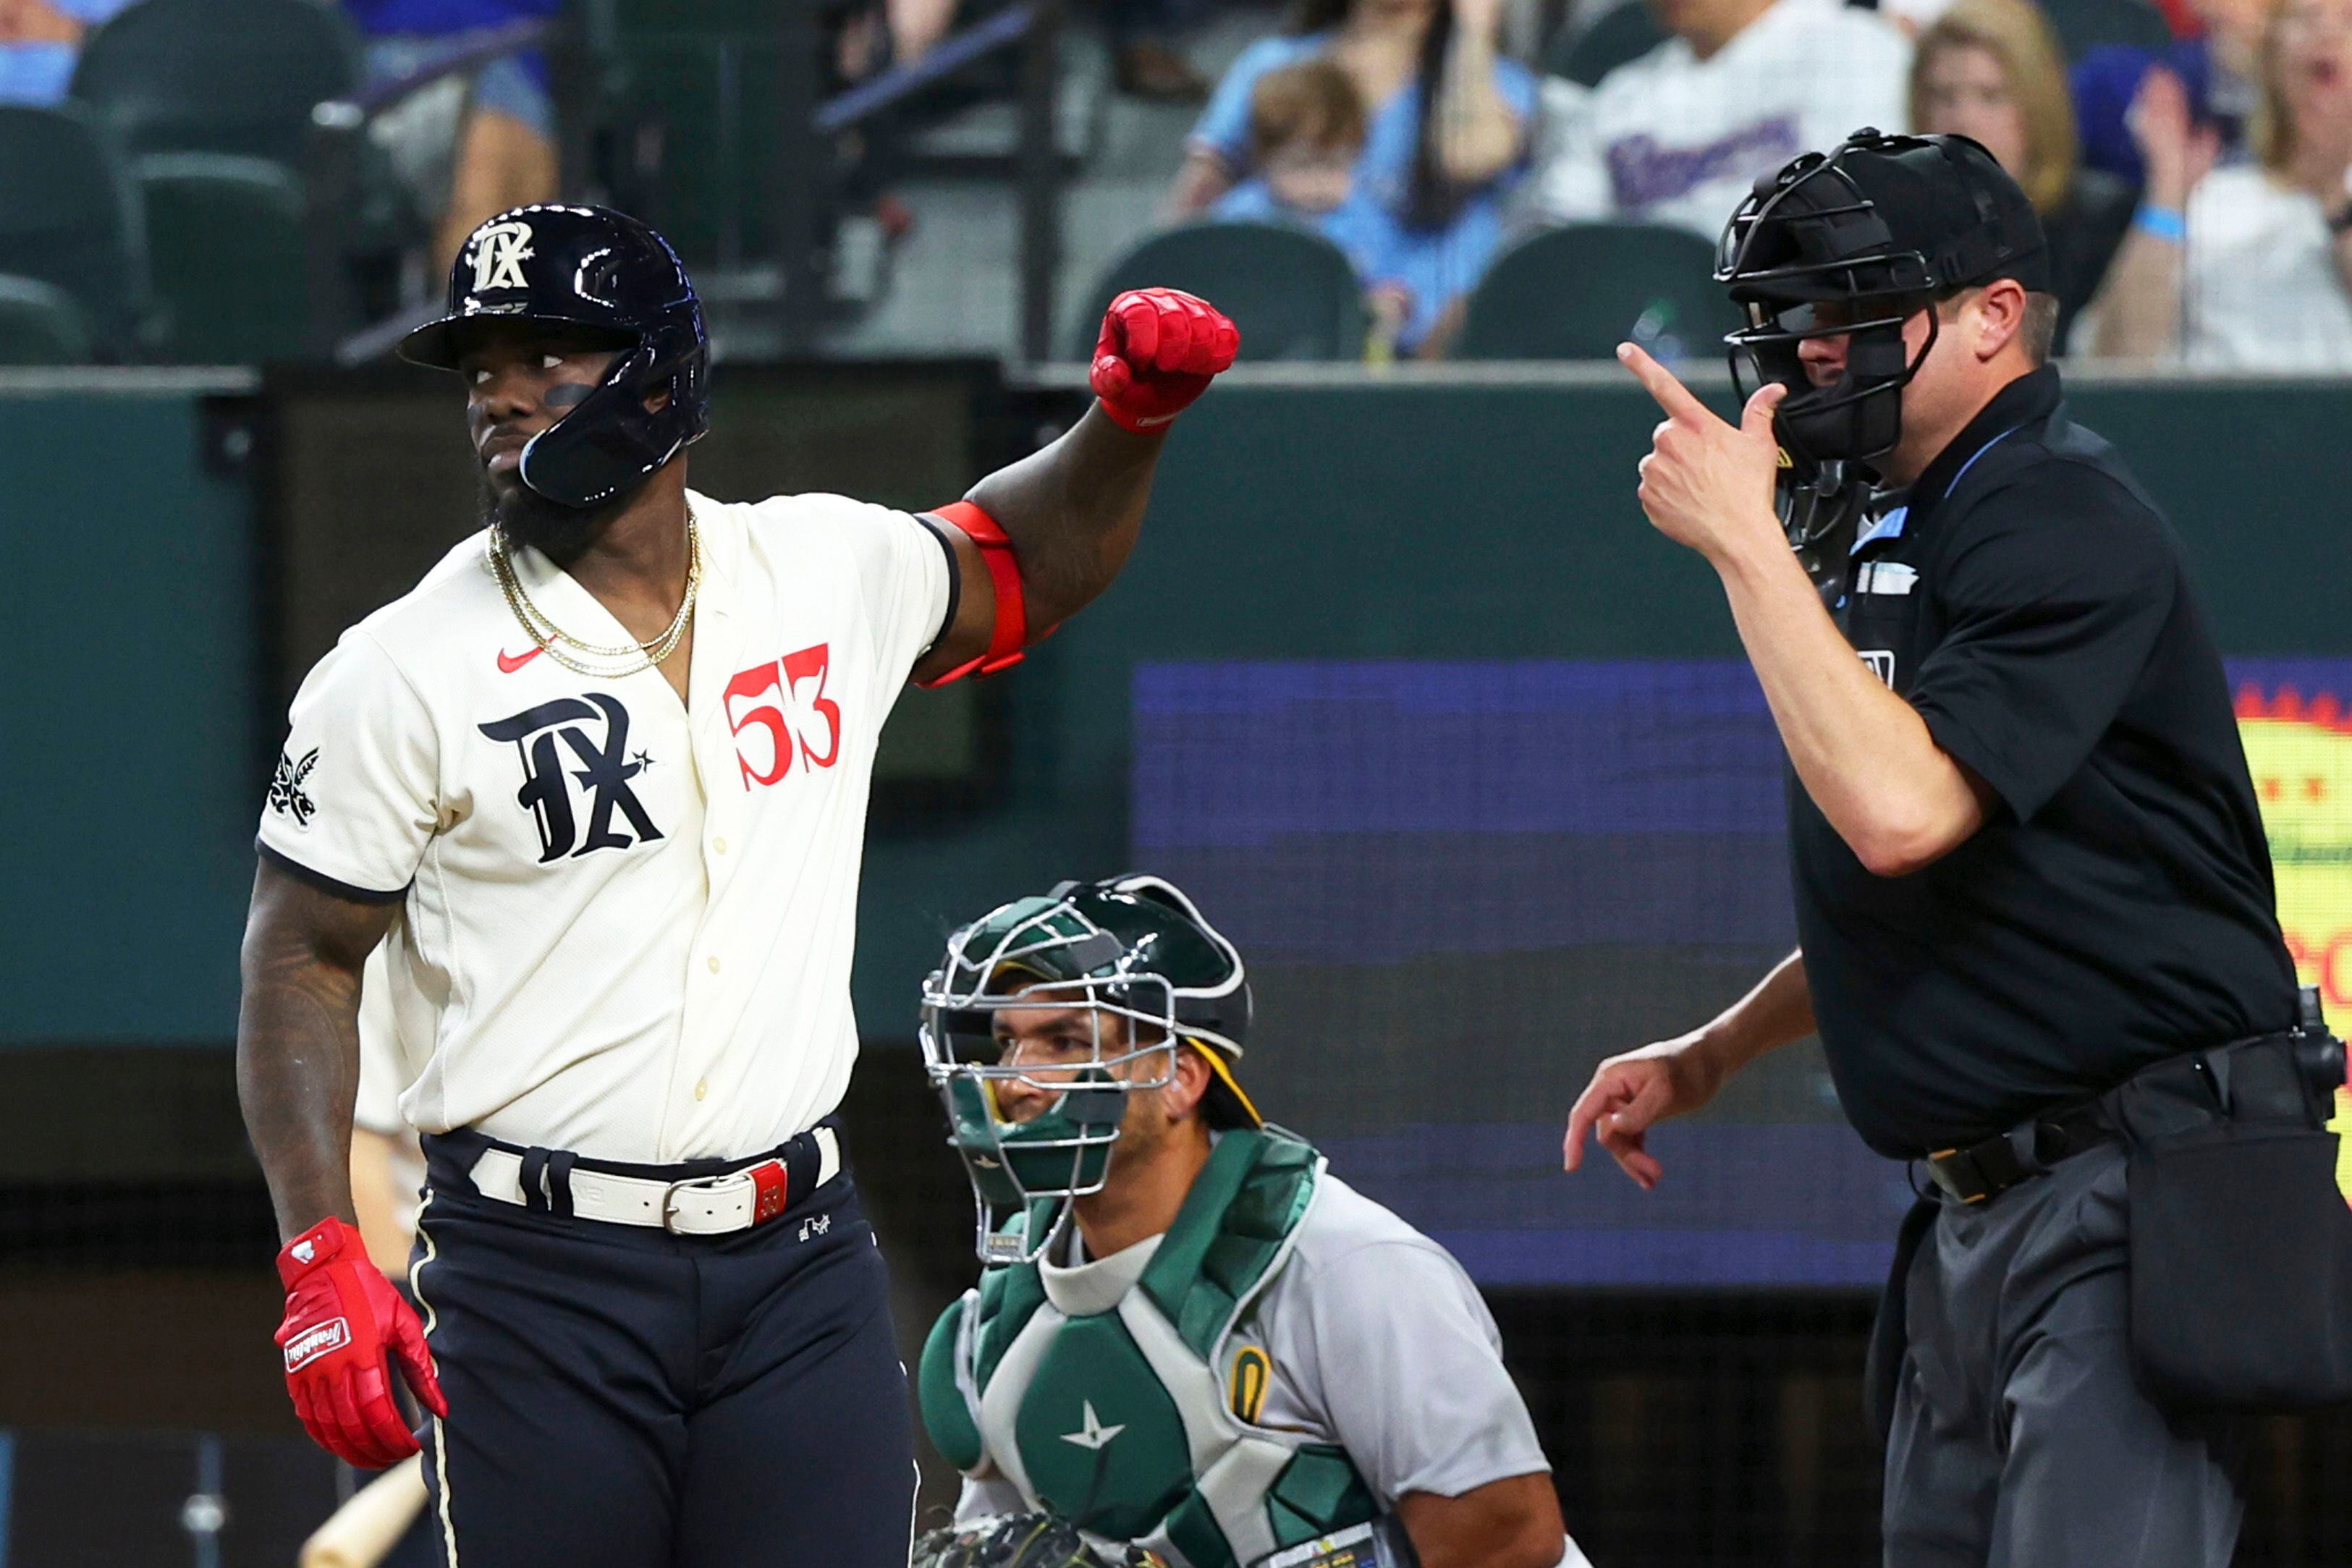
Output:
(499, 252)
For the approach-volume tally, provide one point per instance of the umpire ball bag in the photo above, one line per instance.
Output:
(2240, 1236)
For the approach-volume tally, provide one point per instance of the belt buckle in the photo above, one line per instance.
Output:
(1937, 1174)
(677, 1189)
(767, 1180)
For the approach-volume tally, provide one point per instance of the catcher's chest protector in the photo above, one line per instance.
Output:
(1121, 1415)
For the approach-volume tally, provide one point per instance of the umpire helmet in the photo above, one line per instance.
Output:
(593, 268)
(1876, 229)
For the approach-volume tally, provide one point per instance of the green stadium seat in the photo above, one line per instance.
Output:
(40, 325)
(1290, 291)
(1626, 32)
(224, 245)
(2083, 25)
(67, 219)
(217, 76)
(1575, 293)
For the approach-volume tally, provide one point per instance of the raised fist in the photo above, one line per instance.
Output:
(1158, 350)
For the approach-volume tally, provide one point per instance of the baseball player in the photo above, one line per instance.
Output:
(607, 768)
(2030, 872)
(1194, 1345)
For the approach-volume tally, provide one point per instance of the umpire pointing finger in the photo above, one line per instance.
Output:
(2033, 890)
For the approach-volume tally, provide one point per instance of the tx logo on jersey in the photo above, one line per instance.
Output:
(499, 252)
(1093, 1435)
(286, 796)
(561, 756)
(779, 712)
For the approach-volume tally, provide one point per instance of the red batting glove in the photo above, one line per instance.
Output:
(342, 1317)
(1158, 349)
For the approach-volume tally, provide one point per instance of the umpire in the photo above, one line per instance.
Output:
(2029, 869)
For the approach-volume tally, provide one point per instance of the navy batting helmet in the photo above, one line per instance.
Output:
(591, 267)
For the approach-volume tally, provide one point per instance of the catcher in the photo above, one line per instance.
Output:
(1192, 1345)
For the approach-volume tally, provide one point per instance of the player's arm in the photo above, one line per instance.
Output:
(298, 1061)
(1899, 799)
(1632, 1093)
(1398, 1355)
(298, 1049)
(1070, 513)
(1510, 1523)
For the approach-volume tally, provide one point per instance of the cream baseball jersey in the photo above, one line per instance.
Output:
(627, 921)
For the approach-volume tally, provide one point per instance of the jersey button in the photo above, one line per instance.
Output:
(701, 1087)
(718, 846)
(713, 962)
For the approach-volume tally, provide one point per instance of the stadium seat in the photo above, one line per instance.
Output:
(1626, 32)
(67, 219)
(2083, 25)
(40, 325)
(1291, 292)
(225, 244)
(216, 76)
(1575, 293)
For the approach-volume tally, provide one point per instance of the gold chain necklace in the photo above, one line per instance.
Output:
(567, 650)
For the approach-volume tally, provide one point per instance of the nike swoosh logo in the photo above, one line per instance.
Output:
(509, 663)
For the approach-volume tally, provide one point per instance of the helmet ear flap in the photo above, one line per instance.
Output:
(611, 440)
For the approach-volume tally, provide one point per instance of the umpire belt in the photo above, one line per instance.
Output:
(551, 1181)
(1982, 1171)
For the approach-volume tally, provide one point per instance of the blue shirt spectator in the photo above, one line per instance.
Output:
(37, 54)
(1363, 233)
(400, 32)
(1438, 263)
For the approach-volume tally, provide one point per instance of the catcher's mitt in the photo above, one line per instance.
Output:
(1024, 1540)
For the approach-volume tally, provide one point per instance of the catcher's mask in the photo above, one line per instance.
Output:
(1149, 977)
(1852, 243)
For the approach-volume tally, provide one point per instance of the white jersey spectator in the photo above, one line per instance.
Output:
(2265, 291)
(2247, 266)
(1680, 135)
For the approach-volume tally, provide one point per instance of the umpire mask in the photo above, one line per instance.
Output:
(1852, 243)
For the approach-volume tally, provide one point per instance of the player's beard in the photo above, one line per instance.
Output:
(525, 517)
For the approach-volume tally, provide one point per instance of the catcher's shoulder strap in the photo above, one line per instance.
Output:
(950, 1401)
(1231, 1232)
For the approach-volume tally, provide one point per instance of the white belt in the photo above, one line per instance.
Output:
(703, 1205)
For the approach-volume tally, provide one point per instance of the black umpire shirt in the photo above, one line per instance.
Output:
(2117, 906)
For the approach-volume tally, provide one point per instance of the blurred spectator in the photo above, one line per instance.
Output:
(1680, 135)
(505, 152)
(2217, 64)
(1306, 133)
(40, 40)
(1992, 69)
(1445, 127)
(2246, 267)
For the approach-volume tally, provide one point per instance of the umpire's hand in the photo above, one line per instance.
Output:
(1631, 1094)
(1707, 484)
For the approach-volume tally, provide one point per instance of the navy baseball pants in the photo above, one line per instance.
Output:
(622, 1397)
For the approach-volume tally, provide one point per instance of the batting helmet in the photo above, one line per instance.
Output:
(1876, 230)
(593, 268)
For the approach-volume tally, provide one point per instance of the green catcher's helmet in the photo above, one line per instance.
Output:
(1132, 948)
